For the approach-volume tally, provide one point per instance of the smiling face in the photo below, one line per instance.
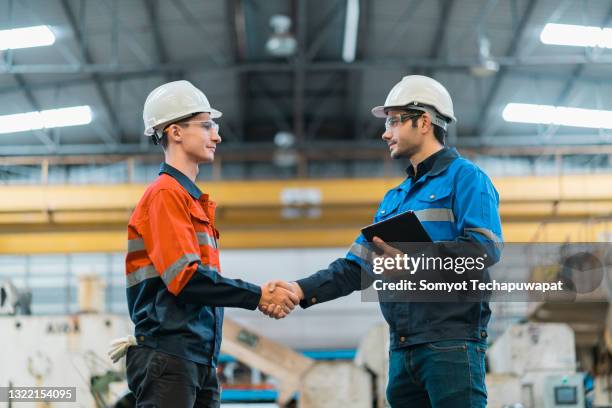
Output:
(196, 136)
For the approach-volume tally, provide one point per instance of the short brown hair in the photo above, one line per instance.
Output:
(164, 137)
(439, 133)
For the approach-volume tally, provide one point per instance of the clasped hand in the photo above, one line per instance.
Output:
(279, 298)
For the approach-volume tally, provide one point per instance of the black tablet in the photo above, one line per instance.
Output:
(404, 227)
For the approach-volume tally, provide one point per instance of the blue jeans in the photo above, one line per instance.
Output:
(442, 374)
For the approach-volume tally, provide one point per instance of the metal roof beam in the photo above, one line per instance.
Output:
(499, 78)
(201, 30)
(236, 23)
(42, 135)
(579, 69)
(199, 64)
(276, 112)
(564, 96)
(524, 58)
(152, 9)
(439, 40)
(148, 72)
(354, 80)
(517, 145)
(299, 69)
(319, 111)
(322, 30)
(86, 55)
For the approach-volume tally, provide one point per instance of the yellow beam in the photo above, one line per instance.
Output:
(583, 187)
(339, 192)
(66, 241)
(62, 242)
(522, 198)
(45, 219)
(231, 194)
(232, 216)
(116, 241)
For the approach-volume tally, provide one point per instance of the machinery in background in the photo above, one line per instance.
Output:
(533, 365)
(14, 301)
(64, 351)
(564, 391)
(70, 351)
(588, 311)
(310, 383)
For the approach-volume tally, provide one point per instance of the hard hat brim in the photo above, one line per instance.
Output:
(379, 112)
(214, 114)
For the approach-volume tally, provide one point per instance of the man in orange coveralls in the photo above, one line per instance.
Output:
(175, 291)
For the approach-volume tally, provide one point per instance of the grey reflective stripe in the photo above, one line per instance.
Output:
(435, 214)
(487, 233)
(135, 245)
(141, 274)
(174, 269)
(209, 268)
(361, 252)
(205, 239)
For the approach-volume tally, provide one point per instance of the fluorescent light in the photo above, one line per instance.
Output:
(557, 115)
(349, 46)
(26, 37)
(22, 122)
(576, 35)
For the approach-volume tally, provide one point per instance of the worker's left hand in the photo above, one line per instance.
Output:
(277, 311)
(388, 250)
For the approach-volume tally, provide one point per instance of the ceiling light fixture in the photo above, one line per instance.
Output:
(349, 46)
(26, 37)
(576, 35)
(557, 115)
(52, 118)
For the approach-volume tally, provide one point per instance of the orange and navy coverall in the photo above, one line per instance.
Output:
(174, 289)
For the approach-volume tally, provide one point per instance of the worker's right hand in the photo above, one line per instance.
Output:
(278, 299)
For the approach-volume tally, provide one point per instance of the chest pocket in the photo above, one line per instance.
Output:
(440, 197)
(198, 216)
(205, 231)
(434, 208)
(389, 207)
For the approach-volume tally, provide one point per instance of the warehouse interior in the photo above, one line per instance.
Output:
(301, 169)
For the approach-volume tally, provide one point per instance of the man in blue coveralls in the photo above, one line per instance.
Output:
(437, 356)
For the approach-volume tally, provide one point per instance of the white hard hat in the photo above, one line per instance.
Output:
(174, 101)
(421, 92)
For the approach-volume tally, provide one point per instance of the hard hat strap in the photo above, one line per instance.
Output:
(156, 137)
(436, 118)
(158, 131)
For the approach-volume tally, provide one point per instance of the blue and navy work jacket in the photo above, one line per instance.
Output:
(455, 201)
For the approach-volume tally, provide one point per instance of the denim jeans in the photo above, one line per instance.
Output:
(442, 374)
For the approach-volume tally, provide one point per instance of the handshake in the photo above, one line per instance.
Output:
(279, 298)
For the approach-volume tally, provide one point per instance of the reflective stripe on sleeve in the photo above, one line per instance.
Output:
(140, 275)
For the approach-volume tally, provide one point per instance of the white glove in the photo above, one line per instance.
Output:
(118, 347)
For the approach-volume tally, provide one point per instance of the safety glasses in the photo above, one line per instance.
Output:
(393, 121)
(207, 125)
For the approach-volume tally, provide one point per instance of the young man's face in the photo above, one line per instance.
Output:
(403, 139)
(199, 138)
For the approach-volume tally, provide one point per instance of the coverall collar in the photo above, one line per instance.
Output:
(183, 180)
(434, 164)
